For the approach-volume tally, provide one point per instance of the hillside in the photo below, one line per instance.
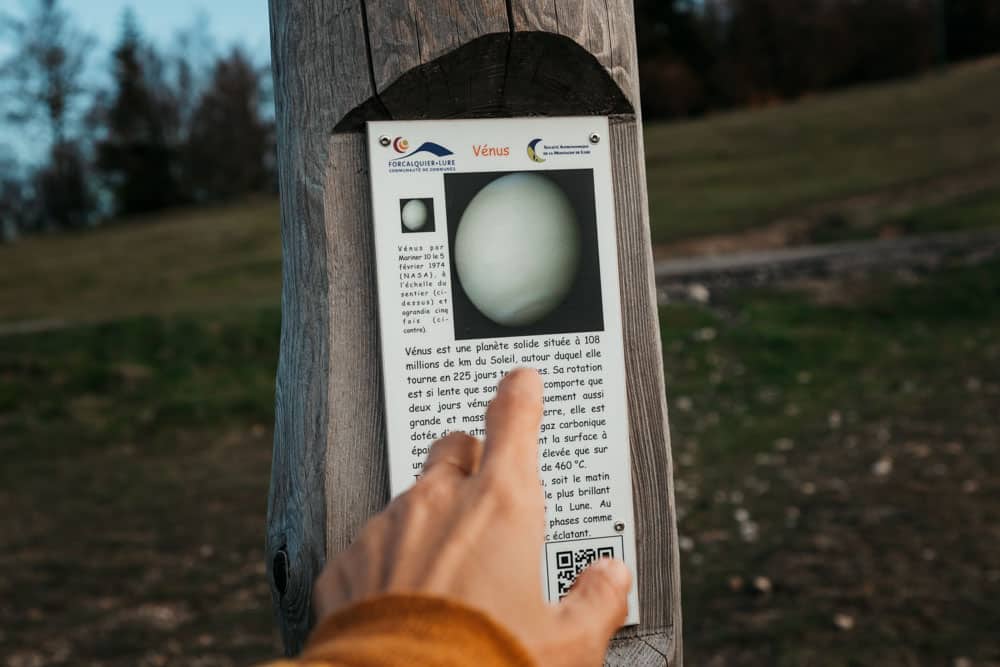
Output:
(910, 157)
(738, 171)
(184, 260)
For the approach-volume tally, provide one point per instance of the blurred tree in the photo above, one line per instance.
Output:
(697, 55)
(914, 43)
(15, 203)
(673, 38)
(230, 144)
(42, 81)
(190, 62)
(139, 127)
(972, 27)
(43, 75)
(64, 198)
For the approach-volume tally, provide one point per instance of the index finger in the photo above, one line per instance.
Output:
(512, 422)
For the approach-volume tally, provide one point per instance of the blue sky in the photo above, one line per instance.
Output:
(230, 21)
(227, 22)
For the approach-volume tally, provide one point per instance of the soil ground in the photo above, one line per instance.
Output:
(837, 468)
(838, 472)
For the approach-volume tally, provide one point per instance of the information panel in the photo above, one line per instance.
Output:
(495, 248)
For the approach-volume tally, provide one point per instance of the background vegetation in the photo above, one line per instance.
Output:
(173, 128)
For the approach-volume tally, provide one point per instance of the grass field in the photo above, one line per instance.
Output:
(733, 172)
(976, 211)
(837, 478)
(192, 261)
(838, 473)
(136, 458)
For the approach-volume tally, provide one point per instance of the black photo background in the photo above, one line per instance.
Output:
(582, 310)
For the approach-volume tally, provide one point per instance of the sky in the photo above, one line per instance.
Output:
(228, 22)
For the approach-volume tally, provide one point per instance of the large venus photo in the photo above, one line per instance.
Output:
(524, 255)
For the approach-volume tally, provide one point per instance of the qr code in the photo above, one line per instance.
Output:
(570, 563)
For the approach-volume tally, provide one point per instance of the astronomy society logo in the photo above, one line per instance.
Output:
(539, 151)
(533, 151)
(427, 157)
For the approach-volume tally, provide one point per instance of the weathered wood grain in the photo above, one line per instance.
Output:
(548, 66)
(310, 99)
(605, 28)
(434, 59)
(641, 651)
(357, 474)
(407, 33)
(498, 75)
(658, 568)
(583, 21)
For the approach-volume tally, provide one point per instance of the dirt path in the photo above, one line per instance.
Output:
(30, 326)
(865, 211)
(684, 277)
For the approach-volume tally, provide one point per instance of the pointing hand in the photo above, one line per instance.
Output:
(472, 529)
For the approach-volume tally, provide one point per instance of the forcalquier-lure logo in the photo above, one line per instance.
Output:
(401, 145)
(533, 151)
(427, 157)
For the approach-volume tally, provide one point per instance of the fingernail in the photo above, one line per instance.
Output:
(520, 370)
(514, 371)
(616, 571)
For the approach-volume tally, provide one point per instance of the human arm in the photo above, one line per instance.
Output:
(468, 536)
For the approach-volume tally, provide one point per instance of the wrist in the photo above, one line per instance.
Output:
(416, 629)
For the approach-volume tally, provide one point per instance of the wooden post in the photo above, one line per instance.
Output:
(340, 63)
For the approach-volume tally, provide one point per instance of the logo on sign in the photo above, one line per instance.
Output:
(401, 145)
(427, 157)
(533, 151)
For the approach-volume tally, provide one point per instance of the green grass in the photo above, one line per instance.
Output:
(782, 408)
(974, 212)
(732, 172)
(136, 457)
(181, 261)
(135, 379)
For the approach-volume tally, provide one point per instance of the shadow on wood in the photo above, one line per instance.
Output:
(495, 76)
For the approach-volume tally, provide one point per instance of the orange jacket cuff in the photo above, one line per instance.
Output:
(395, 630)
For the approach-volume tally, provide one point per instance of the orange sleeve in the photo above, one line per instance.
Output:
(407, 630)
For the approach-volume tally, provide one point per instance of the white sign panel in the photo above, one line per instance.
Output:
(495, 248)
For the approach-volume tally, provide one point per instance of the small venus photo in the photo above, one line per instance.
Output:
(416, 214)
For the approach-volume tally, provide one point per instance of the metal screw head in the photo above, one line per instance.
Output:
(384, 140)
(619, 526)
(595, 138)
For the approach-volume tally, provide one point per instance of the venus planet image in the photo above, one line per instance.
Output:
(517, 249)
(414, 214)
